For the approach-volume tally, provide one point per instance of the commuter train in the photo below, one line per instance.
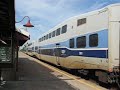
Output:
(88, 43)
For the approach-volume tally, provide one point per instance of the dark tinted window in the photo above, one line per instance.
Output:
(36, 47)
(39, 40)
(58, 32)
(53, 34)
(64, 29)
(71, 43)
(29, 44)
(32, 48)
(93, 40)
(81, 21)
(49, 35)
(81, 42)
(44, 37)
(47, 51)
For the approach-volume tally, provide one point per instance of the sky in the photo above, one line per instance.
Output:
(45, 14)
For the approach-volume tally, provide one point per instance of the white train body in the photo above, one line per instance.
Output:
(89, 41)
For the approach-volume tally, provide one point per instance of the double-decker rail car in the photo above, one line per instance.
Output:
(89, 43)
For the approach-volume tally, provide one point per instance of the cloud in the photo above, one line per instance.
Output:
(97, 5)
(47, 10)
(45, 14)
(53, 11)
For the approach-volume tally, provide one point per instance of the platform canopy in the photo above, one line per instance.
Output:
(22, 36)
(7, 22)
(10, 37)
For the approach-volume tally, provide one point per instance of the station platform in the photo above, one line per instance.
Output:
(33, 76)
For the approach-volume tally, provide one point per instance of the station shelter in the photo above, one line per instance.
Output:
(10, 37)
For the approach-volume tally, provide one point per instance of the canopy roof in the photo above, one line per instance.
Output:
(7, 20)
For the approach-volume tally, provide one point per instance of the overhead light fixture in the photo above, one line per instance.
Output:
(28, 24)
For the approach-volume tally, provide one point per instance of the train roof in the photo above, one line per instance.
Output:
(79, 16)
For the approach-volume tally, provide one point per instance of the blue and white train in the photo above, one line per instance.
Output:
(89, 43)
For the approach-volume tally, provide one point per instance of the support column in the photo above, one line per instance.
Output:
(0, 75)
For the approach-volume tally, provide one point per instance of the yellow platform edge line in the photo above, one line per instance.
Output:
(72, 77)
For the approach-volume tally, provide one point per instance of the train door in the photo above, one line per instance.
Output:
(39, 53)
(114, 44)
(57, 54)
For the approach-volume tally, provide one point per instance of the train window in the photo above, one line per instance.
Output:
(71, 43)
(39, 51)
(81, 21)
(53, 34)
(40, 40)
(47, 51)
(58, 32)
(32, 48)
(81, 42)
(93, 40)
(44, 37)
(36, 47)
(29, 44)
(49, 35)
(64, 29)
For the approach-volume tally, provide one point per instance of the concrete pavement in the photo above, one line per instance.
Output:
(33, 76)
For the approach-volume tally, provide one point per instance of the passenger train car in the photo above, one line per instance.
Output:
(89, 43)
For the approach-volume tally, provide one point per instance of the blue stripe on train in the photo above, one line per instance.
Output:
(64, 52)
(84, 53)
(102, 41)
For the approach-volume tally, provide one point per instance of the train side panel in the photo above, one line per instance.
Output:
(114, 38)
